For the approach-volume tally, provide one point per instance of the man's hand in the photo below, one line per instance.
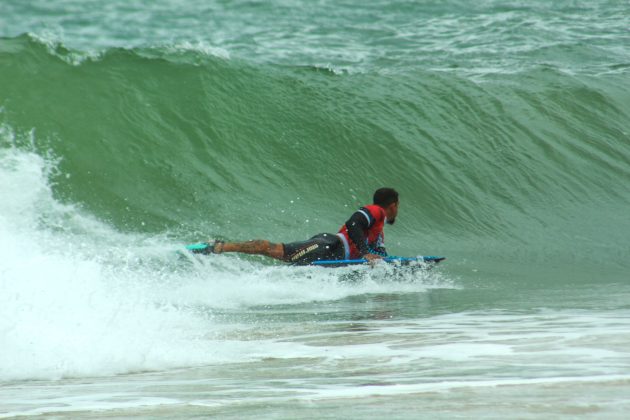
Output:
(372, 258)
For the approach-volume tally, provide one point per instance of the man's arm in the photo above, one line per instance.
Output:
(358, 222)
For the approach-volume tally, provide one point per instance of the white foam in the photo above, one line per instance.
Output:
(447, 385)
(51, 40)
(64, 311)
(227, 282)
(201, 47)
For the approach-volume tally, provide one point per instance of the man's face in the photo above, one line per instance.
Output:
(391, 212)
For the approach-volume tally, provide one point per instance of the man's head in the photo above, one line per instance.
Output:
(387, 198)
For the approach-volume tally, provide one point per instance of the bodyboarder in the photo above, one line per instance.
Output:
(360, 237)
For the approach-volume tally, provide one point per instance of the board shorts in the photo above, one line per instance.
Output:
(324, 246)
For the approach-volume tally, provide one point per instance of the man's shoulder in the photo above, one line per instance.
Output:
(376, 211)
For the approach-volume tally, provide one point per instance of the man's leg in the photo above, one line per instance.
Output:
(256, 247)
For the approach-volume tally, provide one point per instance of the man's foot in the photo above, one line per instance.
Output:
(217, 247)
(207, 249)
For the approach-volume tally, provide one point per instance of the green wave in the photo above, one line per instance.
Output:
(531, 167)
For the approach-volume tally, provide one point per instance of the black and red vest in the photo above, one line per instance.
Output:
(375, 216)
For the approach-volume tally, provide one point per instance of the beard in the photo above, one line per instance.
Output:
(391, 221)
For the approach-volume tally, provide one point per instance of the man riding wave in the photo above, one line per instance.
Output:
(360, 237)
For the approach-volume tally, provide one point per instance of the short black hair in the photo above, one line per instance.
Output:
(385, 196)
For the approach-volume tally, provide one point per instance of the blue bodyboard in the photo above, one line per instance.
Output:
(391, 260)
(205, 248)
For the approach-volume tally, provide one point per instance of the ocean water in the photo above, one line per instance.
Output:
(129, 129)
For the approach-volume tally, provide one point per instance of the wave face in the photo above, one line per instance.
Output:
(531, 166)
